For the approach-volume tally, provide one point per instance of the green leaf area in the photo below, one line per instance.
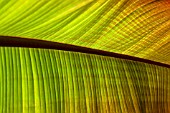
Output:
(55, 81)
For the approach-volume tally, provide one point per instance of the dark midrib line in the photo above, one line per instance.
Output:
(10, 41)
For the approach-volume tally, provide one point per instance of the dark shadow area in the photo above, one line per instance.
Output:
(10, 41)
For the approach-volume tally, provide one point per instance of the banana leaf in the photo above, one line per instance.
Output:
(38, 77)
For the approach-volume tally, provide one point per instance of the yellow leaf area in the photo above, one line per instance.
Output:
(138, 28)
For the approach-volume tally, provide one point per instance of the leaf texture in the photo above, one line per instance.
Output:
(56, 81)
(138, 28)
(53, 81)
